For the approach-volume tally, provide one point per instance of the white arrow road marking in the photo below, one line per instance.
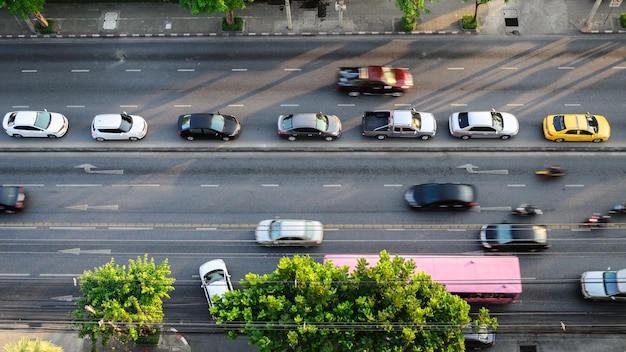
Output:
(78, 251)
(89, 169)
(471, 169)
(97, 207)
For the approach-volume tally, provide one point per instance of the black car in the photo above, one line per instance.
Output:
(11, 198)
(374, 80)
(451, 196)
(208, 126)
(309, 125)
(514, 237)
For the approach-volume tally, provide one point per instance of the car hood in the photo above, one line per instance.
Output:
(231, 127)
(429, 124)
(334, 125)
(511, 125)
(57, 122)
(592, 283)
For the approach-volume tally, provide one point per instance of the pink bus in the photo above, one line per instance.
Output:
(481, 279)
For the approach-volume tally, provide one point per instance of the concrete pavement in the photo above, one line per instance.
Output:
(361, 17)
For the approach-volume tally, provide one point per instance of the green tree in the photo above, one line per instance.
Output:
(122, 303)
(478, 3)
(32, 345)
(24, 8)
(308, 306)
(212, 6)
(412, 10)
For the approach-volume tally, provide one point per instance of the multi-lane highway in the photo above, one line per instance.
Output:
(191, 206)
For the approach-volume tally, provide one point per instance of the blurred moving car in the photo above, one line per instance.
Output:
(287, 232)
(215, 280)
(514, 237)
(483, 124)
(452, 196)
(35, 124)
(12, 198)
(576, 128)
(608, 285)
(208, 126)
(374, 80)
(118, 127)
(311, 125)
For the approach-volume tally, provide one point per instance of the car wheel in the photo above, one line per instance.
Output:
(52, 136)
(329, 138)
(597, 140)
(292, 138)
(133, 139)
(381, 137)
(466, 137)
(100, 139)
(190, 138)
(425, 138)
(17, 136)
(559, 140)
(505, 137)
(397, 94)
(354, 94)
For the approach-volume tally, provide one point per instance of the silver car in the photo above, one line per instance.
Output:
(309, 125)
(118, 127)
(483, 124)
(287, 232)
(215, 279)
(609, 285)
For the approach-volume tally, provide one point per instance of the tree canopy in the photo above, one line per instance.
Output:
(122, 302)
(308, 306)
(22, 8)
(32, 345)
(212, 6)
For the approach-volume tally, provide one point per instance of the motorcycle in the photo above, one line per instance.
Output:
(527, 210)
(618, 209)
(552, 171)
(597, 220)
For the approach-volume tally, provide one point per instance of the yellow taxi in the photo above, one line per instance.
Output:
(576, 128)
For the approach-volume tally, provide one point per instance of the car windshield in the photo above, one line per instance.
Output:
(218, 122)
(416, 121)
(388, 76)
(498, 121)
(610, 283)
(592, 122)
(127, 123)
(43, 120)
(214, 276)
(186, 122)
(321, 122)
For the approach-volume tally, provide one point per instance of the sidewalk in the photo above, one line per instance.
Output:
(362, 17)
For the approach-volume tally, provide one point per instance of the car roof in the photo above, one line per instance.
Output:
(432, 192)
(521, 233)
(108, 120)
(307, 119)
(202, 120)
(297, 228)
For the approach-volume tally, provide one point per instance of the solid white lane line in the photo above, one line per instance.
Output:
(269, 185)
(137, 185)
(79, 71)
(565, 68)
(79, 185)
(23, 185)
(335, 185)
(29, 71)
(239, 69)
(186, 69)
(209, 185)
(392, 185)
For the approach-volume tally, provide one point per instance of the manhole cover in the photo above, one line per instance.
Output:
(110, 20)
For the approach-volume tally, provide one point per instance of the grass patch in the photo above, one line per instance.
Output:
(45, 30)
(467, 22)
(235, 27)
(151, 339)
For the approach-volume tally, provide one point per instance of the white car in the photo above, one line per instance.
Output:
(286, 232)
(118, 127)
(215, 280)
(483, 124)
(609, 285)
(35, 124)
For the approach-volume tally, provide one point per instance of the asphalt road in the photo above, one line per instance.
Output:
(258, 79)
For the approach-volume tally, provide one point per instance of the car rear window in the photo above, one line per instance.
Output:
(463, 119)
(559, 123)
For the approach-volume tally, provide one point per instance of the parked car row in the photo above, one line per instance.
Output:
(380, 124)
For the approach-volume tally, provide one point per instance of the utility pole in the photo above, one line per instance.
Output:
(594, 9)
(288, 11)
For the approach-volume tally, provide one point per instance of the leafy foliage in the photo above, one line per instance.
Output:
(412, 10)
(622, 19)
(32, 345)
(469, 22)
(212, 6)
(308, 306)
(478, 3)
(22, 8)
(122, 302)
